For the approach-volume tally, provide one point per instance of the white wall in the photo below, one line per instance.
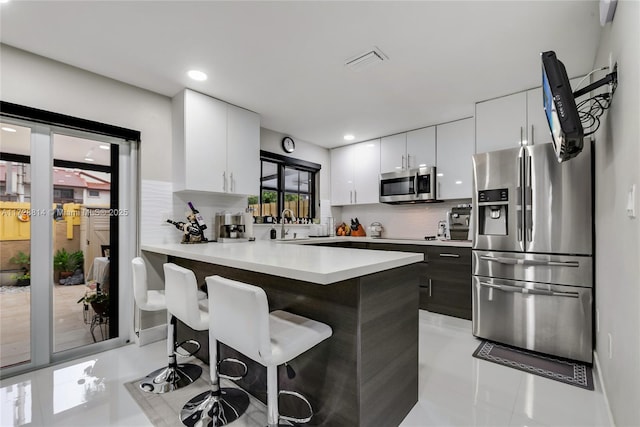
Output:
(38, 82)
(617, 156)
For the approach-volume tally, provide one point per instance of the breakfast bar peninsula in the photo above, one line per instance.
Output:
(366, 373)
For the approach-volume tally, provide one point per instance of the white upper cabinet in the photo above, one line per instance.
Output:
(512, 121)
(393, 153)
(216, 146)
(421, 147)
(501, 123)
(408, 150)
(455, 148)
(243, 151)
(355, 173)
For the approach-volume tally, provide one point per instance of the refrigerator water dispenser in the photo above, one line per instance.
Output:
(493, 212)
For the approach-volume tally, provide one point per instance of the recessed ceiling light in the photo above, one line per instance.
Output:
(104, 146)
(422, 165)
(458, 182)
(439, 174)
(88, 159)
(197, 75)
(8, 129)
(349, 137)
(4, 1)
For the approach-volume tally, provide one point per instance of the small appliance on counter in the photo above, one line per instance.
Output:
(230, 227)
(458, 220)
(376, 230)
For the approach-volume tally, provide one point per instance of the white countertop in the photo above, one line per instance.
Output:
(317, 264)
(312, 240)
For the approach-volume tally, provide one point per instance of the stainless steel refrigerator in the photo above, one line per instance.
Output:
(532, 250)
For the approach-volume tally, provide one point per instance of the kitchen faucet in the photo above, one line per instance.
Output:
(293, 218)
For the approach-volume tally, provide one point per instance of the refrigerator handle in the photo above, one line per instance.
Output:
(519, 200)
(529, 202)
(505, 260)
(518, 289)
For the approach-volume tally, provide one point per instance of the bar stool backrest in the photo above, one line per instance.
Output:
(139, 282)
(239, 317)
(181, 291)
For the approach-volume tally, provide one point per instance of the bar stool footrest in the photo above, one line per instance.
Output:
(170, 378)
(230, 377)
(182, 352)
(304, 399)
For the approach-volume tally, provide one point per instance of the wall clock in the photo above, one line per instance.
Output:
(288, 145)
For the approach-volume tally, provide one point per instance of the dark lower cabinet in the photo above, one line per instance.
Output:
(445, 275)
(446, 288)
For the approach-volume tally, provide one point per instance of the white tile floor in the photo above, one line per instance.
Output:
(455, 389)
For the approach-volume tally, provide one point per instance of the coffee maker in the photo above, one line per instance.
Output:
(229, 227)
(458, 219)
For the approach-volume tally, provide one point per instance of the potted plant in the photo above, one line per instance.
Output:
(99, 301)
(67, 263)
(23, 260)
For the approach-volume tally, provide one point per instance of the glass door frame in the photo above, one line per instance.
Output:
(41, 315)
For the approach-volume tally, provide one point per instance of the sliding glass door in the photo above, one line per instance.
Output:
(62, 211)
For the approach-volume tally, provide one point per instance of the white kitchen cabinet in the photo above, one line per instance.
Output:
(243, 151)
(216, 146)
(512, 121)
(455, 147)
(501, 123)
(355, 173)
(393, 153)
(421, 147)
(408, 150)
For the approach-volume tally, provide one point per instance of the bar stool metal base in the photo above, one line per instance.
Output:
(170, 378)
(209, 410)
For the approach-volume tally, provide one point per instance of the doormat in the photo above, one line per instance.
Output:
(163, 409)
(563, 370)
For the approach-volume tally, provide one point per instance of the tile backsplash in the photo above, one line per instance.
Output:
(400, 221)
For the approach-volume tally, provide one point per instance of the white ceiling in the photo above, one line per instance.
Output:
(285, 60)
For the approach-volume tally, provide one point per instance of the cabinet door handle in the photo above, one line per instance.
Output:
(521, 136)
(224, 181)
(350, 196)
(532, 139)
(355, 196)
(231, 186)
(450, 255)
(408, 161)
(403, 161)
(429, 288)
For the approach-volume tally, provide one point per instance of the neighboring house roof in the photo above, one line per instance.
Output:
(70, 179)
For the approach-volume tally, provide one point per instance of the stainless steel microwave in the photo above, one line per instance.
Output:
(408, 186)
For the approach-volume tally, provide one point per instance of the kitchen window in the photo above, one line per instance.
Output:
(285, 183)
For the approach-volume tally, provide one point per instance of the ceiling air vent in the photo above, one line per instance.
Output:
(366, 59)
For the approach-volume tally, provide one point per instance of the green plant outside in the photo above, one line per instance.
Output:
(65, 261)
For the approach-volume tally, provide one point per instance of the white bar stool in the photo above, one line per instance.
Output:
(240, 318)
(208, 408)
(173, 376)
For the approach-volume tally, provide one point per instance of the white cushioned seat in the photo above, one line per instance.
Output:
(240, 318)
(146, 300)
(181, 290)
(292, 335)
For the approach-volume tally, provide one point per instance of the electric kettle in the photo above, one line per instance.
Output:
(375, 230)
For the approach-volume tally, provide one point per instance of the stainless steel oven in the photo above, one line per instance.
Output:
(408, 186)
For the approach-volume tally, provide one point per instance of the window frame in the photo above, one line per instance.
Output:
(281, 163)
